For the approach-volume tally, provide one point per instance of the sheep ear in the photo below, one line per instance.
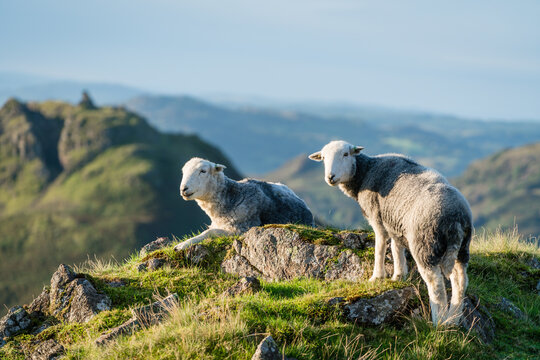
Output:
(219, 167)
(316, 156)
(355, 150)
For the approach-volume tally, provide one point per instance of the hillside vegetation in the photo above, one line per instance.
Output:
(261, 138)
(504, 189)
(80, 181)
(208, 324)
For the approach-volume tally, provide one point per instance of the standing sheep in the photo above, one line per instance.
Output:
(236, 206)
(414, 206)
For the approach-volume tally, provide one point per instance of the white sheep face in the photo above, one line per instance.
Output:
(200, 178)
(339, 161)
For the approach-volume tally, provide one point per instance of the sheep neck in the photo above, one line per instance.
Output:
(353, 186)
(215, 202)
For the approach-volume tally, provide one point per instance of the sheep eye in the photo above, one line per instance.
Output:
(203, 171)
(346, 154)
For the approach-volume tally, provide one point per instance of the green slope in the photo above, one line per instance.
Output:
(78, 182)
(504, 189)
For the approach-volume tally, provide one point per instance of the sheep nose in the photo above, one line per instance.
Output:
(331, 177)
(184, 190)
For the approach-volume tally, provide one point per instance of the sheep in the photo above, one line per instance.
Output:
(236, 206)
(418, 209)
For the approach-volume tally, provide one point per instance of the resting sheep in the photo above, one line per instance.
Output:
(236, 206)
(414, 206)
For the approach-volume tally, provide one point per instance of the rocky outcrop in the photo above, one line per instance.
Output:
(268, 350)
(508, 307)
(157, 244)
(379, 309)
(47, 350)
(281, 254)
(73, 298)
(16, 320)
(478, 319)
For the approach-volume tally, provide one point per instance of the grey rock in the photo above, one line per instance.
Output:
(379, 309)
(347, 267)
(47, 350)
(354, 240)
(478, 319)
(268, 350)
(280, 254)
(127, 328)
(534, 263)
(75, 299)
(197, 254)
(155, 245)
(245, 285)
(62, 276)
(509, 307)
(41, 303)
(15, 321)
(238, 265)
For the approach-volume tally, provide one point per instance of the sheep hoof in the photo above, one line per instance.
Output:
(375, 278)
(398, 277)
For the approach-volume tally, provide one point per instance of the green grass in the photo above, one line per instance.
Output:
(209, 325)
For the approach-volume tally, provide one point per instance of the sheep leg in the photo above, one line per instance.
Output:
(379, 271)
(199, 238)
(436, 290)
(459, 281)
(400, 262)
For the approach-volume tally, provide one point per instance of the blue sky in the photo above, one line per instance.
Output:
(470, 58)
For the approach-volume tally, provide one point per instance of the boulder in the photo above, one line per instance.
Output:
(268, 350)
(238, 265)
(379, 309)
(280, 254)
(16, 321)
(478, 319)
(41, 304)
(47, 350)
(151, 265)
(509, 307)
(157, 244)
(247, 284)
(72, 298)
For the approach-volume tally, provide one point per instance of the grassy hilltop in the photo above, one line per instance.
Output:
(80, 181)
(209, 325)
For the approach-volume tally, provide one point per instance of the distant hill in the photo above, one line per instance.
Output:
(82, 181)
(261, 140)
(505, 189)
(38, 88)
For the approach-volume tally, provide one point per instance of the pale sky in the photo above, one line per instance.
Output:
(469, 58)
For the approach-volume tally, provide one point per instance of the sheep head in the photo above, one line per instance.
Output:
(200, 178)
(339, 161)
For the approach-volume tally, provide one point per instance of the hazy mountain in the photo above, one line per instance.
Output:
(78, 181)
(261, 140)
(504, 189)
(39, 88)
